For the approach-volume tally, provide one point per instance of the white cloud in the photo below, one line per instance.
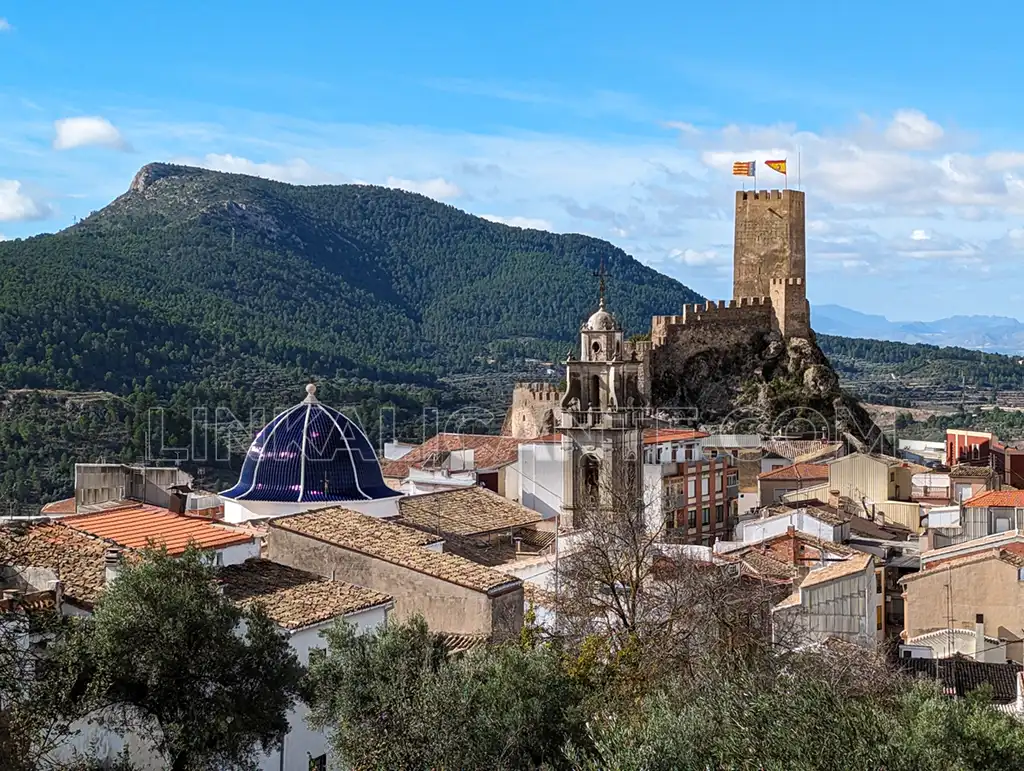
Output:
(686, 128)
(919, 235)
(297, 171)
(912, 130)
(438, 187)
(5, 26)
(18, 206)
(530, 223)
(91, 131)
(695, 259)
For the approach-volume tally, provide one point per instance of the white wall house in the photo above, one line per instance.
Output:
(543, 476)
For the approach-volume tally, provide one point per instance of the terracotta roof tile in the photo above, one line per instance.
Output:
(997, 498)
(65, 506)
(134, 526)
(802, 449)
(798, 472)
(294, 598)
(661, 435)
(468, 511)
(392, 543)
(848, 567)
(488, 452)
(974, 472)
(74, 557)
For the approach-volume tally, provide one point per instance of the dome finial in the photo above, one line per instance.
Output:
(310, 393)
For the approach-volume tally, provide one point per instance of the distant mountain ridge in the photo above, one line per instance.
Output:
(998, 334)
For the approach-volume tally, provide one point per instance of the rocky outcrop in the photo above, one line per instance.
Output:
(746, 379)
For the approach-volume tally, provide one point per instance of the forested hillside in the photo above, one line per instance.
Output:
(202, 289)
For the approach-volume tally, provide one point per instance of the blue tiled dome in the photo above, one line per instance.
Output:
(308, 454)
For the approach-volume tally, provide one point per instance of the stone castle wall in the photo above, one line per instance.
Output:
(791, 309)
(535, 410)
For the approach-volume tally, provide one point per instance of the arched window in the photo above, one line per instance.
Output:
(595, 391)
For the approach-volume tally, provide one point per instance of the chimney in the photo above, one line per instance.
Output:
(112, 564)
(979, 637)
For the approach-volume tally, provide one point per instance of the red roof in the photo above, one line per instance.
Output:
(661, 435)
(135, 525)
(488, 452)
(65, 506)
(798, 472)
(999, 498)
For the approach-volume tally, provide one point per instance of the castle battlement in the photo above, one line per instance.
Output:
(768, 195)
(792, 281)
(538, 391)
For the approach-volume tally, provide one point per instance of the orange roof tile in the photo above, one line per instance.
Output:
(661, 435)
(488, 452)
(135, 526)
(998, 498)
(798, 472)
(65, 506)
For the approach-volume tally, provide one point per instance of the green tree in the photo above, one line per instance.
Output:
(395, 699)
(170, 656)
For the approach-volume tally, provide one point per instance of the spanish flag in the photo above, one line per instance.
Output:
(779, 166)
(743, 169)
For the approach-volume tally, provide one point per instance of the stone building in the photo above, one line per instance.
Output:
(602, 415)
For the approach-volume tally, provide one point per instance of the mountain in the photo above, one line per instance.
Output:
(192, 273)
(998, 334)
(199, 289)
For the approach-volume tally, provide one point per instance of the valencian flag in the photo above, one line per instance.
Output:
(779, 166)
(744, 169)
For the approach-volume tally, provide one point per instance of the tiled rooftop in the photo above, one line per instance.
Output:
(961, 675)
(74, 557)
(798, 472)
(64, 506)
(997, 498)
(800, 449)
(468, 511)
(136, 525)
(294, 598)
(662, 435)
(393, 543)
(848, 567)
(975, 472)
(488, 452)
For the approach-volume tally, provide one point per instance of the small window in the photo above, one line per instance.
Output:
(878, 617)
(691, 488)
(705, 516)
(704, 485)
(719, 512)
(692, 518)
(318, 763)
(670, 520)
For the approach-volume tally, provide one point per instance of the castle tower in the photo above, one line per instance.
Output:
(770, 255)
(769, 241)
(602, 416)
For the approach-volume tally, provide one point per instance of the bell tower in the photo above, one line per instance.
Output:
(603, 413)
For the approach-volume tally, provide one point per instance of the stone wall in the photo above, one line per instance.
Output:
(792, 311)
(446, 607)
(535, 410)
(755, 312)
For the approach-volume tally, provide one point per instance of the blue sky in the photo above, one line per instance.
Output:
(616, 120)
